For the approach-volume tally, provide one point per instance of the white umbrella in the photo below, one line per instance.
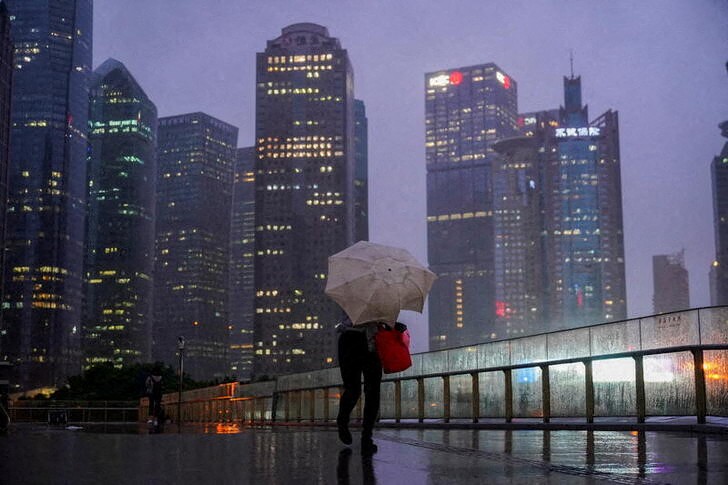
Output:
(373, 282)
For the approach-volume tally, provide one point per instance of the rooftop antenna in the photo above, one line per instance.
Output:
(571, 61)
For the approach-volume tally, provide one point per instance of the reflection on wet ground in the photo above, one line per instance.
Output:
(225, 453)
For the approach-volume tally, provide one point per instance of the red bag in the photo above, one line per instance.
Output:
(393, 350)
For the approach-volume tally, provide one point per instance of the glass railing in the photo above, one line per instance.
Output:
(673, 364)
(63, 412)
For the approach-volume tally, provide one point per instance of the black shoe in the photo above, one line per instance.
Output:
(368, 448)
(344, 433)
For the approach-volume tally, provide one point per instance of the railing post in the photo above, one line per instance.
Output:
(509, 394)
(545, 393)
(312, 407)
(640, 388)
(589, 390)
(274, 406)
(299, 406)
(446, 398)
(397, 401)
(326, 404)
(421, 399)
(475, 386)
(701, 403)
(287, 406)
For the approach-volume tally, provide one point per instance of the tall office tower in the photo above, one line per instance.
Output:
(42, 302)
(517, 221)
(670, 281)
(195, 158)
(583, 214)
(122, 171)
(242, 257)
(540, 126)
(466, 111)
(304, 206)
(719, 270)
(6, 78)
(361, 172)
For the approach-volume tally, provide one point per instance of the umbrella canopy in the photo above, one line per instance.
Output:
(373, 282)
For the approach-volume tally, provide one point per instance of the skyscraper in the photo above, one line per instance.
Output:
(517, 221)
(47, 178)
(719, 177)
(466, 111)
(539, 126)
(670, 281)
(361, 172)
(122, 171)
(242, 258)
(305, 198)
(6, 78)
(195, 159)
(582, 242)
(582, 204)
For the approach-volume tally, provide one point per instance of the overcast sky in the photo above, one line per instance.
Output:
(660, 63)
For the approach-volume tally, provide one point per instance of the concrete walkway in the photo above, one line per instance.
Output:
(223, 454)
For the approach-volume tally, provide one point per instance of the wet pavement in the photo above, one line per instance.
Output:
(223, 454)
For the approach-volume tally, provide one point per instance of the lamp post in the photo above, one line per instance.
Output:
(181, 349)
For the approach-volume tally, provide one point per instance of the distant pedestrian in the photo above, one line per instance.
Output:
(154, 393)
(358, 356)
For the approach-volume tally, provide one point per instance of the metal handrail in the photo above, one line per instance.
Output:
(292, 397)
(40, 413)
(224, 405)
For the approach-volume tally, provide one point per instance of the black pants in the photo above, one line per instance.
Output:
(355, 360)
(155, 405)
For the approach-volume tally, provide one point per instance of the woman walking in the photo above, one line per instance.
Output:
(357, 357)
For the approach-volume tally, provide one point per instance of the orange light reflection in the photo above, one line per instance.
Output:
(227, 429)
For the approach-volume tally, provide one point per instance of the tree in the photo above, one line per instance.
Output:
(104, 382)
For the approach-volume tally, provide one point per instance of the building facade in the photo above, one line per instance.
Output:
(719, 178)
(122, 171)
(361, 176)
(195, 158)
(582, 203)
(6, 82)
(540, 127)
(670, 282)
(305, 197)
(587, 270)
(242, 258)
(43, 281)
(518, 222)
(466, 111)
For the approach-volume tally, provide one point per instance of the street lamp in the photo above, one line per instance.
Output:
(181, 349)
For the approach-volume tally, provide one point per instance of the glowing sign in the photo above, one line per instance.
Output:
(503, 79)
(441, 80)
(454, 78)
(571, 132)
(530, 120)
